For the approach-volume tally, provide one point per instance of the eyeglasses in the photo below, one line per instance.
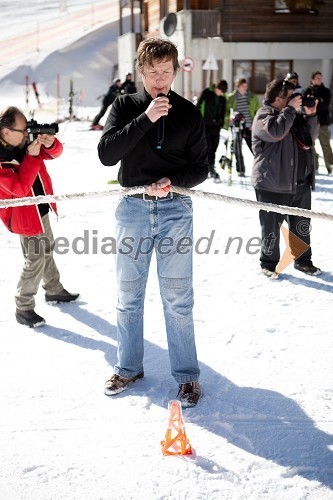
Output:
(18, 130)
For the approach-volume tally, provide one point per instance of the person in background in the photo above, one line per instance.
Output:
(23, 173)
(108, 99)
(246, 103)
(283, 172)
(212, 107)
(292, 77)
(318, 90)
(159, 137)
(224, 87)
(128, 86)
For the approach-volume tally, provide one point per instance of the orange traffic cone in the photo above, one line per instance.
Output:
(176, 442)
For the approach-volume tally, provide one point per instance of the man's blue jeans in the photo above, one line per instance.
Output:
(166, 226)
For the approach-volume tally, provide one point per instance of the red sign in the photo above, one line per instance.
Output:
(187, 64)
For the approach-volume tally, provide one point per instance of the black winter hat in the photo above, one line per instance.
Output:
(291, 75)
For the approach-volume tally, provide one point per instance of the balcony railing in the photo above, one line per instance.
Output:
(206, 23)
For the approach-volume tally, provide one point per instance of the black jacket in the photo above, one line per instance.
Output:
(323, 94)
(128, 87)
(131, 137)
(212, 108)
(111, 95)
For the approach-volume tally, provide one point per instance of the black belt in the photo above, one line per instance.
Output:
(147, 197)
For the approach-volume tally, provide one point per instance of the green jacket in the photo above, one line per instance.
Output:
(253, 101)
(212, 107)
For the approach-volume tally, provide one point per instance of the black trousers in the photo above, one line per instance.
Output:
(238, 145)
(213, 139)
(271, 221)
(100, 114)
(247, 135)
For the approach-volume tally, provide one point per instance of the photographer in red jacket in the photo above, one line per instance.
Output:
(23, 173)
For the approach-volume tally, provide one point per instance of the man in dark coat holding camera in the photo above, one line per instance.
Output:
(283, 171)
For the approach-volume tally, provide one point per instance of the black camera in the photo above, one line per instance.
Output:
(307, 100)
(237, 121)
(34, 128)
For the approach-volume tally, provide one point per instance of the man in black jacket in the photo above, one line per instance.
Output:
(159, 138)
(323, 94)
(212, 106)
(128, 87)
(108, 99)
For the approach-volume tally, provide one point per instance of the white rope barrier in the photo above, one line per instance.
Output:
(269, 207)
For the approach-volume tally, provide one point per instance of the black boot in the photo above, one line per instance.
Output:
(213, 174)
(29, 318)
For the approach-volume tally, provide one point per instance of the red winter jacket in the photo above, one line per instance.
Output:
(17, 181)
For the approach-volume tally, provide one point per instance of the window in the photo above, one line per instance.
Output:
(242, 69)
(259, 73)
(281, 68)
(281, 6)
(296, 6)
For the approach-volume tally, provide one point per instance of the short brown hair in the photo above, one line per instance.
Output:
(240, 81)
(277, 88)
(8, 117)
(156, 50)
(315, 73)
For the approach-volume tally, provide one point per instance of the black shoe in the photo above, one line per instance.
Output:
(189, 394)
(213, 174)
(29, 318)
(308, 268)
(63, 296)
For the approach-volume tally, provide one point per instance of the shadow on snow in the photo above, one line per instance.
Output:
(261, 422)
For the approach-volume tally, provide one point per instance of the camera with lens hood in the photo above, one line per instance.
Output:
(307, 100)
(34, 128)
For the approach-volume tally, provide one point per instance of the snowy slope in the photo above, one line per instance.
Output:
(51, 45)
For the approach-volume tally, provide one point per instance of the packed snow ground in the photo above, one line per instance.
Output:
(264, 427)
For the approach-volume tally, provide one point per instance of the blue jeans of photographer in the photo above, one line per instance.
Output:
(166, 227)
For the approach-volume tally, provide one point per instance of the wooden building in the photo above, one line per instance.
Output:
(258, 39)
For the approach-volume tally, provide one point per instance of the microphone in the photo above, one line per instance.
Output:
(160, 128)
